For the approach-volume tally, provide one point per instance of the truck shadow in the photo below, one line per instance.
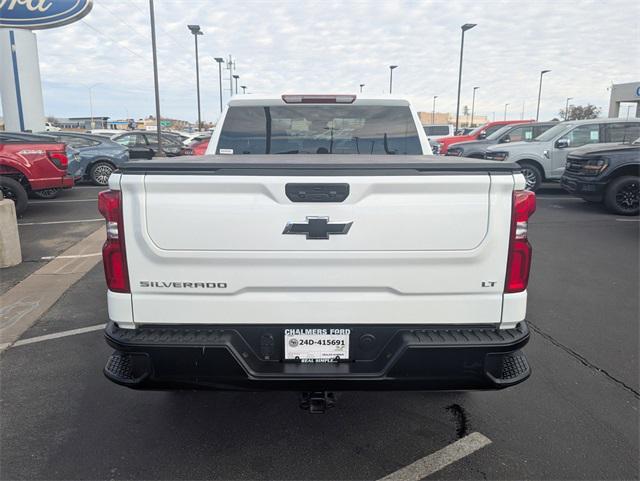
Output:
(267, 436)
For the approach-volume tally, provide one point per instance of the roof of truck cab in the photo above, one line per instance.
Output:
(276, 99)
(599, 120)
(316, 164)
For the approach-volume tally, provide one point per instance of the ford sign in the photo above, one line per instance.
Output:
(35, 14)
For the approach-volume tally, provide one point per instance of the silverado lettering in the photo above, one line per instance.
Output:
(185, 285)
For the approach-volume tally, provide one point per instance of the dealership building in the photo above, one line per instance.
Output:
(628, 93)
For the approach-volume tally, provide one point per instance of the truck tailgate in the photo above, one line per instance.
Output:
(240, 213)
(212, 249)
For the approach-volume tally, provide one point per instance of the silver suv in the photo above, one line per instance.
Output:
(544, 158)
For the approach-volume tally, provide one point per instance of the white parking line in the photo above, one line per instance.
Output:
(77, 256)
(61, 201)
(440, 459)
(573, 199)
(62, 222)
(57, 335)
(628, 220)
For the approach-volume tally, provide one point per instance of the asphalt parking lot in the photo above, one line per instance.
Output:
(575, 418)
(49, 227)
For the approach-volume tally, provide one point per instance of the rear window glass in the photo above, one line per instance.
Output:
(319, 129)
(622, 132)
(437, 130)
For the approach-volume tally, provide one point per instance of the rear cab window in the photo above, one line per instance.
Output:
(540, 129)
(622, 131)
(319, 129)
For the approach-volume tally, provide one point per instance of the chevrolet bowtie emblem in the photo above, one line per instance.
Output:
(317, 228)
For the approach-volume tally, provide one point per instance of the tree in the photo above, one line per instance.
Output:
(580, 112)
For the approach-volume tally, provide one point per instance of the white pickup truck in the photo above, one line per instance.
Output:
(373, 266)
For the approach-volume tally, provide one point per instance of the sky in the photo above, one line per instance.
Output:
(309, 46)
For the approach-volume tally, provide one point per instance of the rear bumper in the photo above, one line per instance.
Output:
(382, 358)
(63, 182)
(67, 182)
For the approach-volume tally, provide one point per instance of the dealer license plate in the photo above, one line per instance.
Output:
(316, 345)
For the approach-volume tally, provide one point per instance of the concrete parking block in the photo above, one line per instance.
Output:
(10, 253)
(22, 305)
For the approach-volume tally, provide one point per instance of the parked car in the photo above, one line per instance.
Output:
(465, 131)
(196, 136)
(143, 144)
(509, 133)
(608, 173)
(357, 263)
(478, 133)
(49, 127)
(31, 164)
(104, 132)
(97, 156)
(175, 136)
(199, 147)
(435, 132)
(545, 158)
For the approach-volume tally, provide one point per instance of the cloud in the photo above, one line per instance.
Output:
(333, 46)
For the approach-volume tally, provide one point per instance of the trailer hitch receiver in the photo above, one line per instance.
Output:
(317, 402)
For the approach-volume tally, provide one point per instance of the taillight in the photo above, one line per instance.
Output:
(200, 148)
(519, 261)
(60, 159)
(113, 251)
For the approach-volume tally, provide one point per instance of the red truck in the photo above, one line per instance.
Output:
(477, 134)
(31, 164)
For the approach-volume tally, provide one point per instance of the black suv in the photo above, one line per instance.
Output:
(608, 173)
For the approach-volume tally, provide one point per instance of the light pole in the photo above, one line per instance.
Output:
(244, 89)
(156, 85)
(195, 30)
(91, 103)
(231, 66)
(505, 111)
(391, 67)
(473, 105)
(220, 60)
(236, 77)
(542, 72)
(566, 108)
(465, 27)
(361, 85)
(433, 112)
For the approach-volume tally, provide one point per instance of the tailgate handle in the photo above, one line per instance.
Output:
(317, 192)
